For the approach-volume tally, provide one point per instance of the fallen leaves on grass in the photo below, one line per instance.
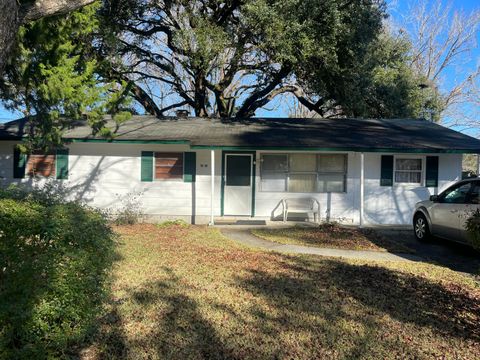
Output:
(331, 235)
(190, 293)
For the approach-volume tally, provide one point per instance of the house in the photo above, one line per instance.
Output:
(362, 171)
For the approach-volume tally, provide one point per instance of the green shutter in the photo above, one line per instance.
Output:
(189, 166)
(61, 164)
(431, 173)
(386, 172)
(19, 164)
(146, 172)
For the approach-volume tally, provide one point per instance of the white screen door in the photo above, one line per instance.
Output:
(238, 184)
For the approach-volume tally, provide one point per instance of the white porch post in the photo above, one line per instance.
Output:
(362, 187)
(212, 195)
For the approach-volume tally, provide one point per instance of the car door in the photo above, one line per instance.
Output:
(446, 211)
(472, 203)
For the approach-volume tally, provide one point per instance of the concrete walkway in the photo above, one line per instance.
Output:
(245, 237)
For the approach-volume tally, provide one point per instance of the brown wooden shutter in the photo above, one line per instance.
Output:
(41, 165)
(168, 166)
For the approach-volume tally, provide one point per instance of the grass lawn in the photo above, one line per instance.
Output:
(185, 292)
(332, 236)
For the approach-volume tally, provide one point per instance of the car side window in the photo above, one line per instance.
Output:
(474, 196)
(456, 195)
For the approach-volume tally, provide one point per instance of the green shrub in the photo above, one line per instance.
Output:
(168, 223)
(473, 228)
(55, 258)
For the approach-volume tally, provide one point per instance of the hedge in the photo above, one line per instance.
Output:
(55, 258)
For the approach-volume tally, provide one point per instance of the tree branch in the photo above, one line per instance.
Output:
(42, 8)
(173, 106)
(257, 99)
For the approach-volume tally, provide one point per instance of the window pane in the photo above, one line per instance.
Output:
(302, 183)
(457, 195)
(331, 163)
(239, 170)
(274, 162)
(331, 183)
(274, 181)
(474, 195)
(408, 164)
(408, 177)
(303, 162)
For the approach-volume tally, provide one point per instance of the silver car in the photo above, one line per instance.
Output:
(444, 215)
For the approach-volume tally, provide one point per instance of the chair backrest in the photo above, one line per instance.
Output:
(300, 203)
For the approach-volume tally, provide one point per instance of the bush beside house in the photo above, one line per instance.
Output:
(55, 258)
(473, 228)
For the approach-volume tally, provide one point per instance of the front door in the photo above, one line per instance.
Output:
(238, 184)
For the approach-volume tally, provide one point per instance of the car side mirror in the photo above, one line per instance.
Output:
(434, 198)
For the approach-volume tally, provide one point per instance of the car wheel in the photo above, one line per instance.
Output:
(420, 228)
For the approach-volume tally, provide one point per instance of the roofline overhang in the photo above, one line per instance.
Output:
(267, 148)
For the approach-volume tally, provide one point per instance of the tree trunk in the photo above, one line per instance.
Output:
(200, 96)
(222, 105)
(13, 15)
(9, 24)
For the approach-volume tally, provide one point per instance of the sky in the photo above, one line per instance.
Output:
(396, 9)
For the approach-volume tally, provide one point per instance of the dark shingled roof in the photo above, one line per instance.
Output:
(338, 134)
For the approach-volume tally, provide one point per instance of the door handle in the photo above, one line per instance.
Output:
(454, 211)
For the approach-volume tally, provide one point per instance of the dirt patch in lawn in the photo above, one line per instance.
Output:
(333, 236)
(190, 293)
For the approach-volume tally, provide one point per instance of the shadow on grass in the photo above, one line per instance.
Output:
(388, 243)
(180, 330)
(308, 308)
(322, 288)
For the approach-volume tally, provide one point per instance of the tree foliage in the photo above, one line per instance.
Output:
(384, 85)
(230, 58)
(14, 13)
(218, 58)
(53, 75)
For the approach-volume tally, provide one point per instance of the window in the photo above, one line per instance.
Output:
(41, 165)
(274, 172)
(168, 166)
(332, 173)
(474, 195)
(305, 173)
(302, 175)
(408, 171)
(456, 194)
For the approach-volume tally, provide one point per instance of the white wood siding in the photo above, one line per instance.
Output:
(106, 175)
